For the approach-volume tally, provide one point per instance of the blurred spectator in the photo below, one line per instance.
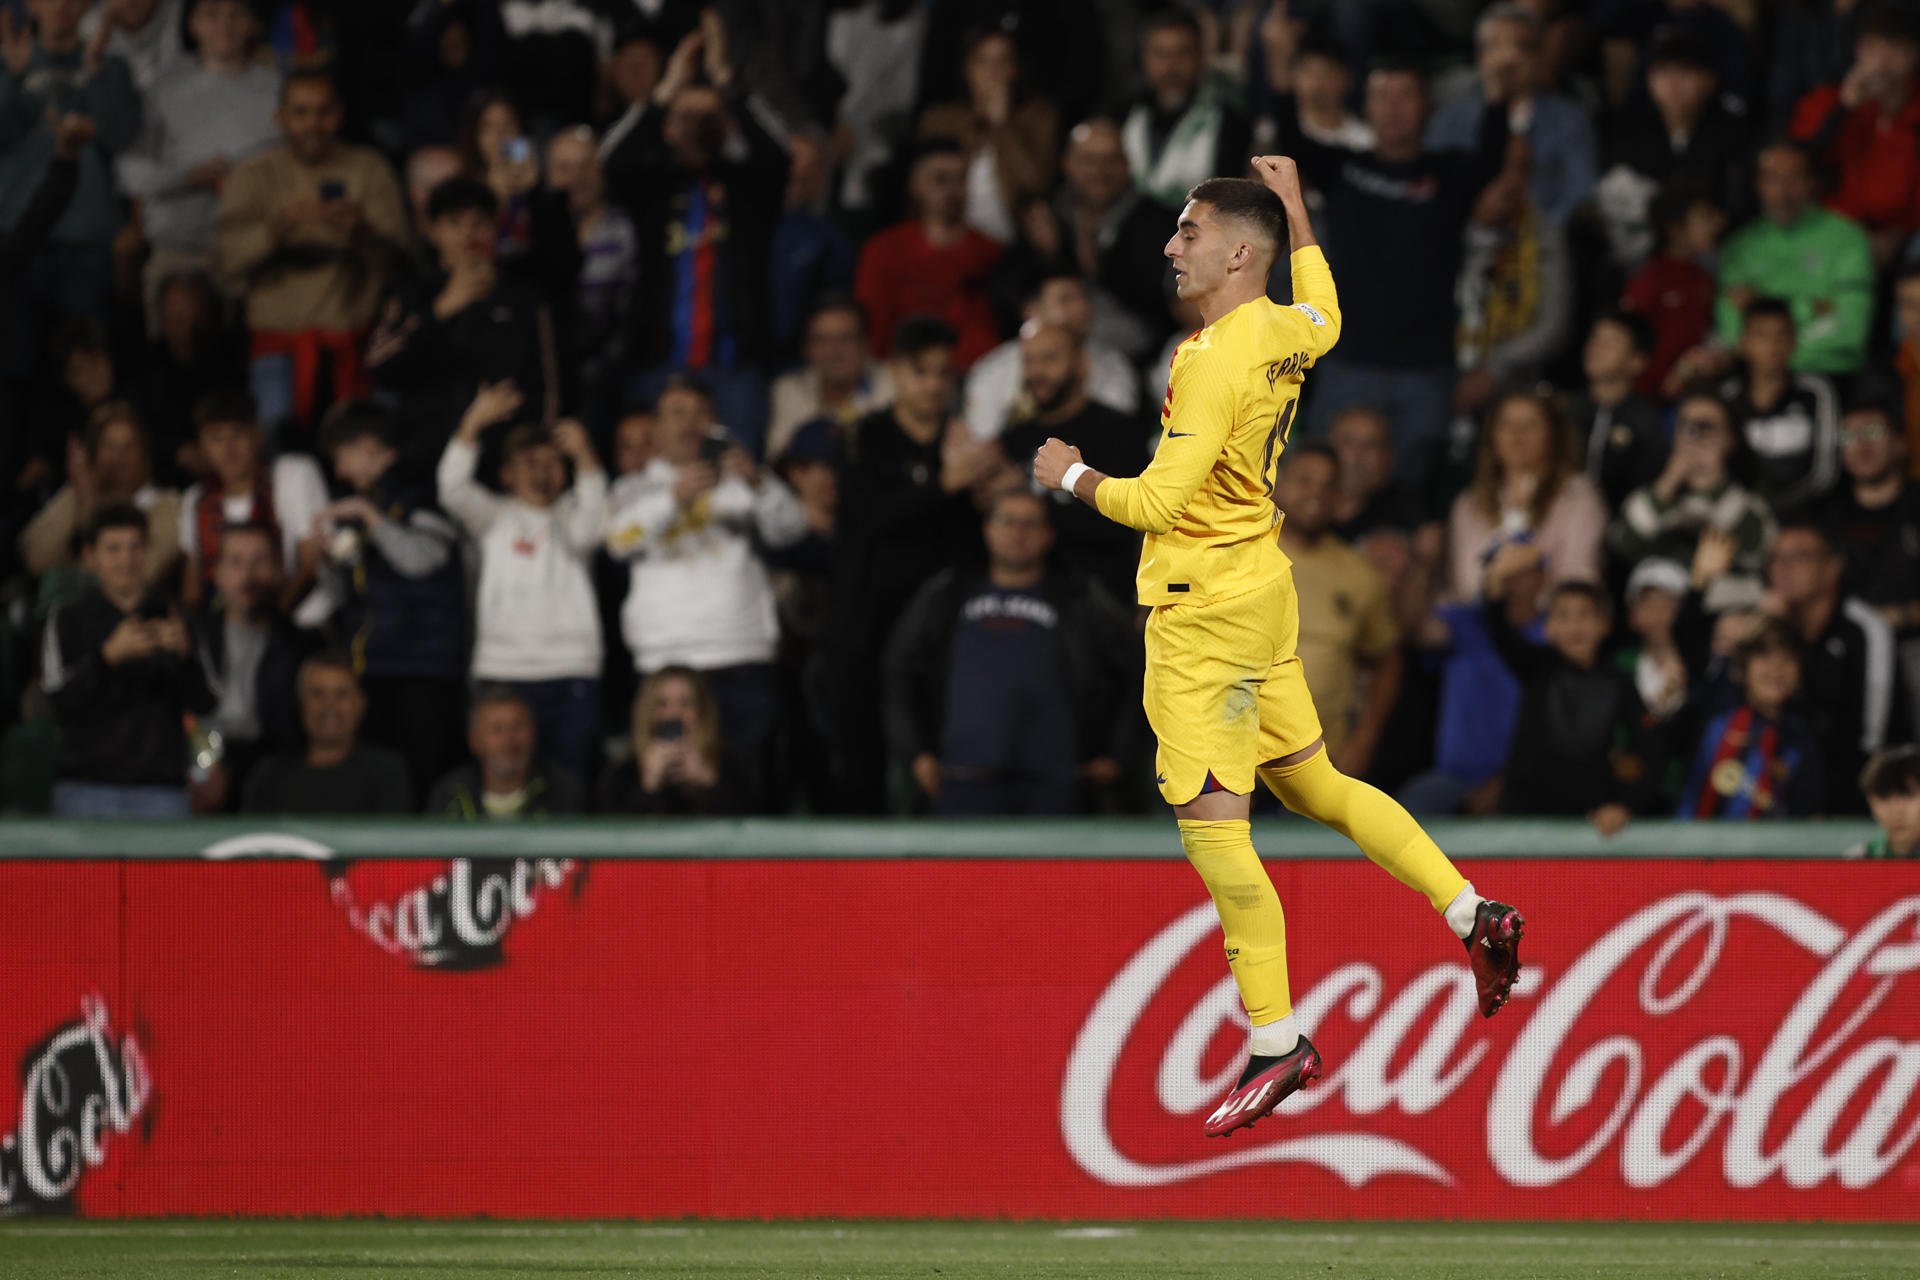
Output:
(1681, 135)
(813, 257)
(1011, 141)
(85, 376)
(1819, 262)
(703, 181)
(1873, 518)
(1398, 214)
(680, 766)
(193, 354)
(536, 628)
(1789, 418)
(72, 134)
(1349, 645)
(1084, 64)
(111, 464)
(904, 516)
(840, 380)
(310, 231)
(1516, 290)
(1185, 128)
(694, 524)
(1370, 499)
(253, 653)
(144, 34)
(1847, 652)
(1057, 298)
(537, 239)
(392, 574)
(45, 75)
(1580, 746)
(554, 55)
(467, 324)
(1654, 592)
(602, 296)
(1622, 435)
(1813, 45)
(1906, 358)
(1866, 130)
(632, 73)
(934, 264)
(1673, 290)
(454, 53)
(1315, 74)
(242, 488)
(1111, 235)
(875, 49)
(1626, 30)
(335, 775)
(1760, 760)
(1055, 400)
(1565, 161)
(1008, 689)
(509, 776)
(426, 168)
(204, 116)
(1693, 493)
(1527, 487)
(1891, 782)
(122, 669)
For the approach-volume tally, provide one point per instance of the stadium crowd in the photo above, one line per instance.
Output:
(545, 406)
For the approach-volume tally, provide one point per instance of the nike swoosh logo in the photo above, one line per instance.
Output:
(1179, 435)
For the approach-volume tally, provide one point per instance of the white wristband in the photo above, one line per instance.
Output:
(1073, 475)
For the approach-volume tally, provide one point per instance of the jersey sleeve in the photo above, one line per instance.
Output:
(1316, 304)
(1205, 404)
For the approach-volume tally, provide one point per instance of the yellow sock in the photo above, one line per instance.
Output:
(1250, 915)
(1371, 819)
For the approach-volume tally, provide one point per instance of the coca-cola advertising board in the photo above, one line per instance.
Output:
(547, 1037)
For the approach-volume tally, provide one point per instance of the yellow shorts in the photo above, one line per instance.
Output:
(1225, 691)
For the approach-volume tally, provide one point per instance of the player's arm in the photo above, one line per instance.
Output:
(1315, 300)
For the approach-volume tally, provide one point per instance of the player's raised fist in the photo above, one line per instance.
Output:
(1051, 463)
(1281, 176)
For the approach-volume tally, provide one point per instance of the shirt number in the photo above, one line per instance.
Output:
(1276, 443)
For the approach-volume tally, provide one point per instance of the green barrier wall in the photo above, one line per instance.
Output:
(898, 838)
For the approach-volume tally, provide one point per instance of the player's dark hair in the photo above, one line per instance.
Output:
(1247, 201)
(1764, 307)
(1170, 18)
(226, 405)
(918, 334)
(115, 515)
(1592, 592)
(1892, 771)
(1769, 635)
(352, 420)
(1639, 329)
(461, 194)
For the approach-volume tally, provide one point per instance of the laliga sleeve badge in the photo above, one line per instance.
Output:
(1311, 314)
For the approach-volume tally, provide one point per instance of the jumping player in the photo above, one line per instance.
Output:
(1224, 689)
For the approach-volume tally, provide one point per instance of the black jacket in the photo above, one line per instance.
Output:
(1626, 445)
(550, 791)
(29, 233)
(118, 724)
(276, 697)
(1101, 676)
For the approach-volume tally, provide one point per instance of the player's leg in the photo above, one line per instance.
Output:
(1202, 664)
(1297, 770)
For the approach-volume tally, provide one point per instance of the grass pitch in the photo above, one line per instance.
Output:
(206, 1250)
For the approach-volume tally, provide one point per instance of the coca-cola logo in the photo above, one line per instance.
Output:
(1828, 1096)
(79, 1088)
(452, 913)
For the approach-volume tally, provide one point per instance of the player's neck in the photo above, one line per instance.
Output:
(1216, 306)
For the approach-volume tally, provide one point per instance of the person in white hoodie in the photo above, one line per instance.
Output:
(536, 627)
(693, 524)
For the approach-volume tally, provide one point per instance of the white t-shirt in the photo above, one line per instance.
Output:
(299, 495)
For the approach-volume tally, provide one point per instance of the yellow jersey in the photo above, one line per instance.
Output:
(1206, 501)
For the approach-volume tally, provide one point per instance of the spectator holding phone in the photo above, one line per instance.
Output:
(123, 671)
(679, 766)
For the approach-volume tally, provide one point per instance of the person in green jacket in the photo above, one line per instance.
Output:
(1818, 261)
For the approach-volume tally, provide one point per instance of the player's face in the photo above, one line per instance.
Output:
(923, 384)
(1767, 343)
(1308, 486)
(330, 705)
(1365, 448)
(1870, 449)
(1018, 536)
(1051, 368)
(1899, 816)
(1199, 251)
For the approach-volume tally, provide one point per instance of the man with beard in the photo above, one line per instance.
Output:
(1054, 402)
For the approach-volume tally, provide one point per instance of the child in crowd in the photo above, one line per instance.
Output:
(1891, 781)
(537, 630)
(1759, 759)
(1791, 419)
(242, 488)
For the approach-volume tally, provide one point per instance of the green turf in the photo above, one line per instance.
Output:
(43, 1250)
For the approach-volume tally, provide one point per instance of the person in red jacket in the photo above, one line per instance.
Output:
(934, 264)
(1673, 290)
(1866, 129)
